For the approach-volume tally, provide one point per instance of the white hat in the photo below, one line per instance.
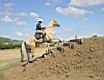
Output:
(40, 19)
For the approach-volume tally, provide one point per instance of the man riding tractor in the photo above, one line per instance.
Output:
(40, 33)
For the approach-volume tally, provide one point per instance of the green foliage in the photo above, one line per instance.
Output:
(6, 43)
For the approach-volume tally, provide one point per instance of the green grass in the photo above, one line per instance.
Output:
(9, 59)
(2, 77)
(8, 64)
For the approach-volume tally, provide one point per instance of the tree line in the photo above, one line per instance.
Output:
(6, 43)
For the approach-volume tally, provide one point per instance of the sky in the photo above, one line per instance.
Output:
(18, 18)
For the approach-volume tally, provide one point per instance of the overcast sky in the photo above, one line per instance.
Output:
(82, 17)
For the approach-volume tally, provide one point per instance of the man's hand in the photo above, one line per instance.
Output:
(43, 28)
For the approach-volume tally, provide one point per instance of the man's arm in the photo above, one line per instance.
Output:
(43, 28)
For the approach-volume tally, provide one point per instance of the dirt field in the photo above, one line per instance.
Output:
(8, 59)
(84, 62)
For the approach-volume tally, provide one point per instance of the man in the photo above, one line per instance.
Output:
(40, 30)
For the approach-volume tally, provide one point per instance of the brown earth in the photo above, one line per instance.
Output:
(84, 62)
